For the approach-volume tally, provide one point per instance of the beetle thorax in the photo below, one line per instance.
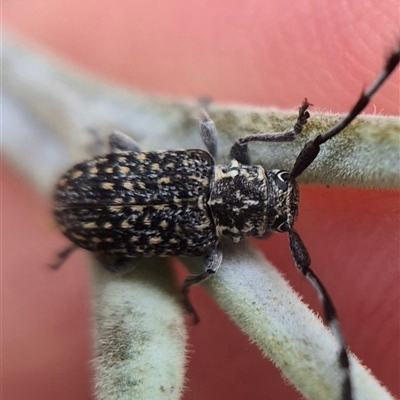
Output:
(238, 200)
(247, 201)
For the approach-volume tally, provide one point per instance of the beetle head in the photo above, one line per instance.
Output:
(283, 201)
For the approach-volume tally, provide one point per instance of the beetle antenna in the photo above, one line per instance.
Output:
(311, 149)
(303, 261)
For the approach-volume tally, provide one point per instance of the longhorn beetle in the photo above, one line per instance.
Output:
(133, 204)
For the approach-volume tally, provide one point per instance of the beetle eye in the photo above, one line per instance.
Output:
(283, 176)
(281, 224)
(282, 180)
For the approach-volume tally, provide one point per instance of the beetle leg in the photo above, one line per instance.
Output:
(118, 141)
(117, 264)
(212, 262)
(208, 132)
(63, 255)
(240, 151)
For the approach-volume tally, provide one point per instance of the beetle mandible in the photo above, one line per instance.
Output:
(133, 204)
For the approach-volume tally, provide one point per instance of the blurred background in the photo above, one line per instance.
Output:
(264, 53)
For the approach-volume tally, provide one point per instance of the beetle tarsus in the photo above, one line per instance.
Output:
(63, 255)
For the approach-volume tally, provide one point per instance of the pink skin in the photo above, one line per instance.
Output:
(273, 52)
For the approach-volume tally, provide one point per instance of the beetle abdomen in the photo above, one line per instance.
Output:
(138, 204)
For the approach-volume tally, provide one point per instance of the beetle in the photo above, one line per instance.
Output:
(132, 204)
